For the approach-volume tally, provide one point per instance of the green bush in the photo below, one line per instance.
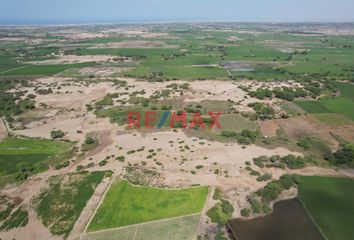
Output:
(265, 177)
(287, 181)
(89, 140)
(305, 143)
(271, 191)
(245, 212)
(221, 212)
(120, 158)
(57, 134)
(294, 162)
(255, 204)
(228, 134)
(102, 163)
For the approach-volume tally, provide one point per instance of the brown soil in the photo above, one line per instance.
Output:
(303, 126)
(268, 128)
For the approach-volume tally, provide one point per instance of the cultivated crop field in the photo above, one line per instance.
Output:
(16, 152)
(332, 119)
(343, 105)
(180, 228)
(235, 122)
(61, 206)
(126, 204)
(329, 202)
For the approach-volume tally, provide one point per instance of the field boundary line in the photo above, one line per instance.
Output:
(313, 219)
(136, 230)
(144, 223)
(13, 69)
(211, 192)
(97, 207)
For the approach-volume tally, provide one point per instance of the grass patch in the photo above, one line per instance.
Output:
(332, 119)
(126, 204)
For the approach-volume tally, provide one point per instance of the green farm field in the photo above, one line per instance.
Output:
(332, 119)
(347, 90)
(333, 105)
(330, 202)
(126, 204)
(62, 205)
(235, 123)
(15, 151)
(30, 70)
(181, 228)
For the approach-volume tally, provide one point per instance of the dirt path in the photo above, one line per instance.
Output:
(284, 65)
(95, 208)
(209, 203)
(13, 69)
(3, 130)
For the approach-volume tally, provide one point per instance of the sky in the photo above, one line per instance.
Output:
(121, 11)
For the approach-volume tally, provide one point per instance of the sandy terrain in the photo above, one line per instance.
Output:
(77, 34)
(70, 59)
(176, 155)
(139, 31)
(102, 71)
(133, 44)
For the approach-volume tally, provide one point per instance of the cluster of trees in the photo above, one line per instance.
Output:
(311, 88)
(289, 94)
(221, 212)
(260, 200)
(25, 170)
(154, 77)
(343, 156)
(43, 91)
(285, 93)
(244, 137)
(263, 111)
(291, 161)
(13, 103)
(272, 190)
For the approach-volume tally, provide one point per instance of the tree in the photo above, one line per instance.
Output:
(57, 134)
(89, 140)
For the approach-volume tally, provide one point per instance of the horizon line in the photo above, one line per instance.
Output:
(146, 22)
